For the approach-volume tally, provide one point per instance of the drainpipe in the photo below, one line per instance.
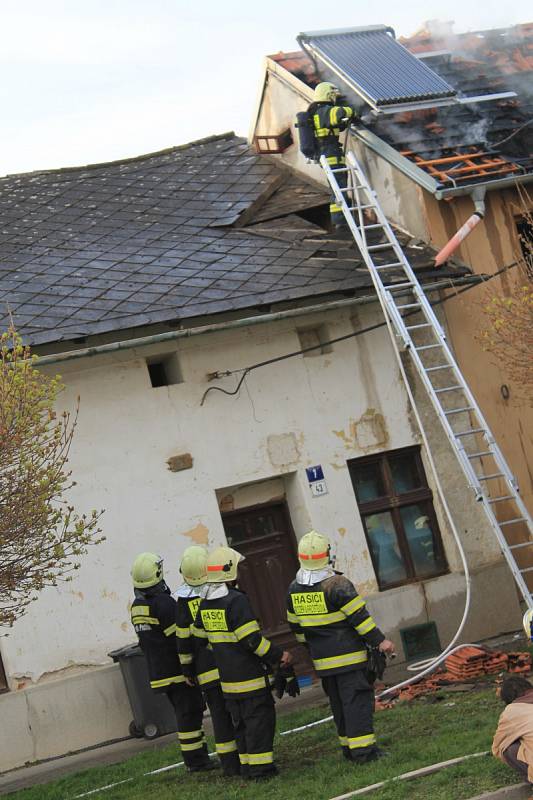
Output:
(478, 197)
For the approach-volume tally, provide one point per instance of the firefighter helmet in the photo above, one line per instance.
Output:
(222, 565)
(147, 570)
(193, 565)
(527, 621)
(313, 551)
(325, 93)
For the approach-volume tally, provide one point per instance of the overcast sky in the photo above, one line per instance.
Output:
(84, 81)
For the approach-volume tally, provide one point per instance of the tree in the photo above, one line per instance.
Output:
(41, 536)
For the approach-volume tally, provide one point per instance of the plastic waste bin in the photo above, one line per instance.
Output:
(153, 714)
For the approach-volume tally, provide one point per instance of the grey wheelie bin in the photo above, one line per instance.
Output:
(153, 714)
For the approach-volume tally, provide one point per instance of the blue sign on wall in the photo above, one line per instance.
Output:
(314, 473)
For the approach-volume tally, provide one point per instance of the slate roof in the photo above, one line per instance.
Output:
(193, 230)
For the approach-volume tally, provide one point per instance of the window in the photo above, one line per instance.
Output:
(315, 338)
(164, 370)
(3, 680)
(524, 226)
(396, 507)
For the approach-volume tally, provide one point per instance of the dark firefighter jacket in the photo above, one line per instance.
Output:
(332, 619)
(328, 122)
(153, 615)
(190, 653)
(241, 651)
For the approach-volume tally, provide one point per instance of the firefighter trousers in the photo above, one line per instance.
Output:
(189, 707)
(335, 156)
(226, 744)
(351, 698)
(254, 720)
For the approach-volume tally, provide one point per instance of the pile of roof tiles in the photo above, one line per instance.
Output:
(462, 666)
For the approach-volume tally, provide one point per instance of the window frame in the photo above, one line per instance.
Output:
(392, 502)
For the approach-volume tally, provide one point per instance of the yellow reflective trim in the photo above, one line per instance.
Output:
(335, 208)
(355, 742)
(198, 632)
(300, 637)
(260, 758)
(183, 633)
(193, 746)
(343, 740)
(225, 747)
(217, 638)
(366, 626)
(144, 620)
(263, 647)
(345, 660)
(234, 687)
(244, 630)
(333, 116)
(292, 617)
(185, 658)
(167, 681)
(352, 605)
(243, 758)
(143, 611)
(335, 160)
(170, 630)
(321, 619)
(206, 677)
(184, 735)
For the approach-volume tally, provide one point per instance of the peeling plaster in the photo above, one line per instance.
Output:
(199, 534)
(342, 531)
(283, 449)
(365, 433)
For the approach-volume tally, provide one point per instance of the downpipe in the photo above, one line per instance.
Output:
(478, 198)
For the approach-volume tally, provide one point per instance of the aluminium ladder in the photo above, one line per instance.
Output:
(419, 331)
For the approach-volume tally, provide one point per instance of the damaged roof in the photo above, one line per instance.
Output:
(463, 144)
(201, 229)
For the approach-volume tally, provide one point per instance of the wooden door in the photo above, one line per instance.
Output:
(264, 536)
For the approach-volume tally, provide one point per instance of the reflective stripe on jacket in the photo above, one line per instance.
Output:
(153, 615)
(190, 653)
(332, 619)
(241, 652)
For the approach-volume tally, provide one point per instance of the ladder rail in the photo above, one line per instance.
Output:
(364, 197)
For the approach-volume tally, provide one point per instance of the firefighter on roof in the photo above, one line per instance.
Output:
(326, 613)
(205, 673)
(244, 658)
(329, 120)
(153, 615)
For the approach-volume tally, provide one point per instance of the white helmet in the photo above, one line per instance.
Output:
(527, 621)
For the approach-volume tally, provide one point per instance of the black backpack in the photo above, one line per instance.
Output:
(306, 135)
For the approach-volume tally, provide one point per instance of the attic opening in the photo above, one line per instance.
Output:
(164, 370)
(317, 215)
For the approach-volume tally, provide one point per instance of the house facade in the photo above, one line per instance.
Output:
(432, 168)
(237, 384)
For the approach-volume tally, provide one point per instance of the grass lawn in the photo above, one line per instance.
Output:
(417, 734)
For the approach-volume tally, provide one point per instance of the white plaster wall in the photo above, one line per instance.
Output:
(296, 413)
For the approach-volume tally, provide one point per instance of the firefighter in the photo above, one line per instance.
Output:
(329, 120)
(244, 658)
(326, 613)
(193, 568)
(153, 615)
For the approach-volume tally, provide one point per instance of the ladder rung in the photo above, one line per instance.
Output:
(384, 246)
(428, 347)
(440, 366)
(448, 389)
(355, 208)
(483, 453)
(527, 569)
(409, 305)
(459, 410)
(501, 498)
(389, 266)
(522, 544)
(490, 477)
(391, 286)
(370, 227)
(339, 169)
(512, 521)
(470, 432)
(416, 327)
